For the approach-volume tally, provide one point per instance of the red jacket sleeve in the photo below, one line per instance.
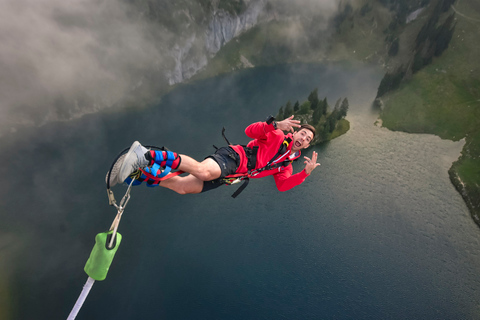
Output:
(259, 130)
(286, 181)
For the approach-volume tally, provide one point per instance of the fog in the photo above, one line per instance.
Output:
(88, 53)
(60, 60)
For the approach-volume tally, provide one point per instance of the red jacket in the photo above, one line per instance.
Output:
(269, 141)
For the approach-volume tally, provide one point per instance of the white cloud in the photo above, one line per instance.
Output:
(60, 59)
(70, 50)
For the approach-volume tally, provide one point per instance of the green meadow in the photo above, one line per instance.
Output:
(444, 99)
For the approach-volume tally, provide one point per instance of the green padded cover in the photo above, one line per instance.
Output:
(101, 258)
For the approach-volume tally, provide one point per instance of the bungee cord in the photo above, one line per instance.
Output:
(102, 254)
(107, 243)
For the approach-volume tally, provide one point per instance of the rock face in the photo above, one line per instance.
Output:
(223, 27)
(192, 54)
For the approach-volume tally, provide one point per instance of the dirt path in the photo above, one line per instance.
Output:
(462, 15)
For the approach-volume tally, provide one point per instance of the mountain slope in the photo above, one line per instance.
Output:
(444, 99)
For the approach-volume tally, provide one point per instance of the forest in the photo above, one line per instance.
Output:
(329, 123)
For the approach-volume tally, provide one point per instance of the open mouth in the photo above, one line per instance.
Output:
(298, 144)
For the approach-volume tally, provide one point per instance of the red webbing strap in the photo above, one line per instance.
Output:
(238, 175)
(168, 176)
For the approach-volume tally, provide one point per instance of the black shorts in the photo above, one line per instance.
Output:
(228, 160)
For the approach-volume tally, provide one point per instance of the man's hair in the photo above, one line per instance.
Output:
(309, 127)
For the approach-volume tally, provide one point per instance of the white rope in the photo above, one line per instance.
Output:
(88, 285)
(81, 299)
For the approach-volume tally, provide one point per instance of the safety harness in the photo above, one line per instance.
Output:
(281, 159)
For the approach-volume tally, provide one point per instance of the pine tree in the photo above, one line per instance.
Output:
(313, 98)
(332, 121)
(324, 106)
(343, 108)
(305, 108)
(280, 116)
(326, 131)
(296, 106)
(288, 110)
(317, 115)
(337, 105)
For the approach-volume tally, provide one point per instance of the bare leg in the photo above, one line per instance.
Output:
(183, 185)
(206, 170)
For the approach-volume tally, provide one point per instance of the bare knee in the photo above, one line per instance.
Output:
(205, 174)
(208, 170)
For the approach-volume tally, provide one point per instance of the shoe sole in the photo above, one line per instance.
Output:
(122, 168)
(115, 171)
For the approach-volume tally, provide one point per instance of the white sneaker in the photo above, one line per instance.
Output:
(115, 171)
(134, 160)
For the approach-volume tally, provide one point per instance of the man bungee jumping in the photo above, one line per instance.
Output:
(270, 153)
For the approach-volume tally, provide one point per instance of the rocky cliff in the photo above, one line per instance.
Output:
(192, 52)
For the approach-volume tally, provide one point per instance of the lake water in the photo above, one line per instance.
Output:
(376, 232)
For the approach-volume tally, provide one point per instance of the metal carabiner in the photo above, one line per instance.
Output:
(120, 209)
(126, 197)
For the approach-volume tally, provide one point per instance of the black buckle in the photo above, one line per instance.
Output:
(251, 154)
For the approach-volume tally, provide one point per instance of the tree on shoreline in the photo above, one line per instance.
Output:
(316, 112)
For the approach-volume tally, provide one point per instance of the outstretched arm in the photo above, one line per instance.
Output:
(286, 181)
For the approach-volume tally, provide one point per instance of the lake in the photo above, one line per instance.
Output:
(377, 231)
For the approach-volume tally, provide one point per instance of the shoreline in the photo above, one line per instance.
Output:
(464, 190)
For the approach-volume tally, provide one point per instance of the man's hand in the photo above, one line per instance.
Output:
(311, 164)
(288, 124)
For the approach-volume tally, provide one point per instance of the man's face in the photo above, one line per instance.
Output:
(301, 139)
